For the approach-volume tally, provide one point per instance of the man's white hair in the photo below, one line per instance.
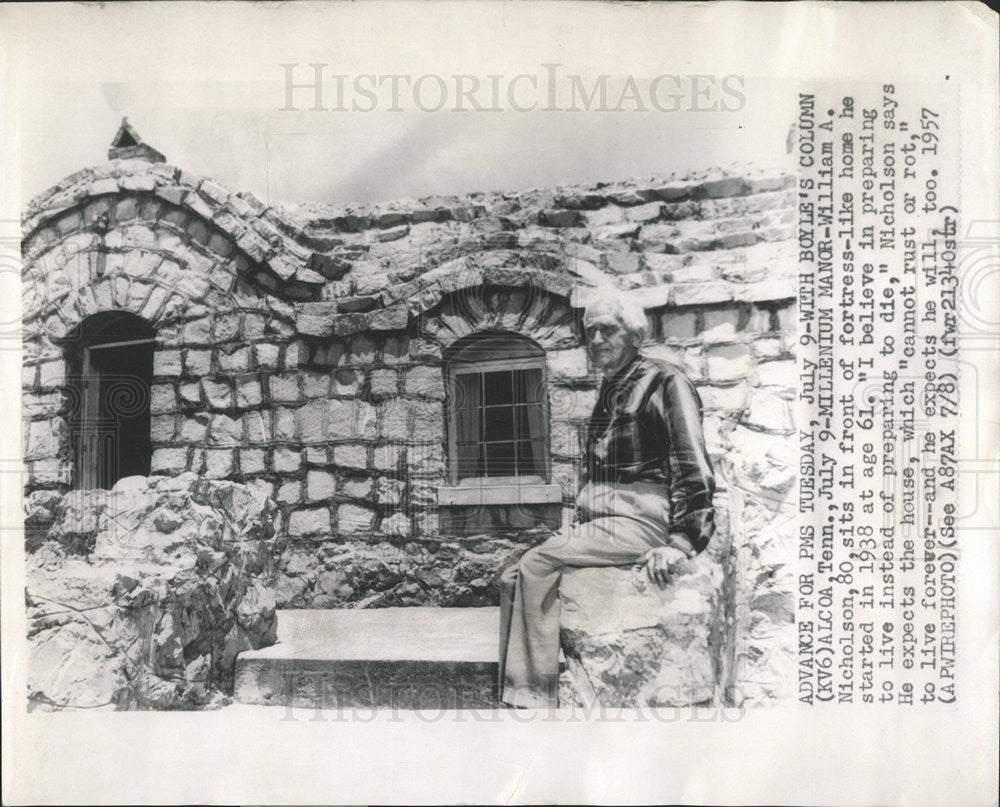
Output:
(626, 307)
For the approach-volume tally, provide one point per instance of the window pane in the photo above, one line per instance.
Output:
(530, 457)
(498, 423)
(498, 387)
(528, 385)
(470, 460)
(500, 459)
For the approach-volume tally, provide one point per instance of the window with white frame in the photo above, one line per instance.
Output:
(498, 411)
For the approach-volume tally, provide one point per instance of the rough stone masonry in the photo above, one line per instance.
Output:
(300, 350)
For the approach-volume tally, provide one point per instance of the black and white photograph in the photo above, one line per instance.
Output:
(409, 386)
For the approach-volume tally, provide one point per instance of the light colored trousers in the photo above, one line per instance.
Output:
(621, 522)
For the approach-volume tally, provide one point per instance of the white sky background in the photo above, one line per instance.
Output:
(204, 87)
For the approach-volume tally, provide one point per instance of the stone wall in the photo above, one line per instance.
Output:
(141, 597)
(299, 350)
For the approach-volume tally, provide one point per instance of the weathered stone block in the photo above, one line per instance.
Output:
(603, 217)
(560, 218)
(769, 412)
(226, 327)
(396, 525)
(218, 463)
(190, 393)
(252, 460)
(315, 384)
(317, 319)
(289, 492)
(361, 350)
(161, 428)
(307, 423)
(716, 291)
(284, 425)
(286, 460)
(389, 491)
(194, 429)
(397, 349)
(565, 438)
(768, 348)
(311, 521)
(284, 387)
(384, 383)
(43, 438)
(622, 263)
(346, 382)
(168, 460)
(782, 374)
(571, 404)
(350, 419)
(718, 188)
(425, 381)
(236, 361)
(198, 362)
(568, 365)
(357, 488)
(218, 394)
(728, 363)
(248, 390)
(678, 325)
(667, 643)
(425, 460)
(720, 325)
(258, 427)
(162, 399)
(351, 456)
(644, 213)
(354, 518)
(320, 485)
(266, 355)
(52, 374)
(167, 363)
(225, 430)
(731, 398)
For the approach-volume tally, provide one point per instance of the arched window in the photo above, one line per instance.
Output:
(498, 413)
(111, 365)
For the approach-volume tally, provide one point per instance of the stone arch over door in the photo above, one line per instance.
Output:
(179, 269)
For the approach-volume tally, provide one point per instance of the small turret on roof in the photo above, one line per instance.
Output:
(128, 145)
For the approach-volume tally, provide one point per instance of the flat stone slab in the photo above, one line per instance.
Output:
(404, 658)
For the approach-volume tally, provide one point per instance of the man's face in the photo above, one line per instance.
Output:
(608, 343)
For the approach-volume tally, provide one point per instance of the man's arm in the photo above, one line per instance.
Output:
(692, 482)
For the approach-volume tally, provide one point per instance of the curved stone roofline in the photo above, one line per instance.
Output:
(278, 262)
(337, 262)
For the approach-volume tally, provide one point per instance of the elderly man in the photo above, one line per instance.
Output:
(647, 497)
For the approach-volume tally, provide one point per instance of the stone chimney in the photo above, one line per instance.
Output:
(128, 145)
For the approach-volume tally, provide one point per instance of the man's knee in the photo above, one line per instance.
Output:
(539, 560)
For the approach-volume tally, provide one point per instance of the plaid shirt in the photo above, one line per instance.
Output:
(646, 426)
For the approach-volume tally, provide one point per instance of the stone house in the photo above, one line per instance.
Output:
(407, 380)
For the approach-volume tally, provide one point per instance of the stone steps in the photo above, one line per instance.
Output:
(383, 658)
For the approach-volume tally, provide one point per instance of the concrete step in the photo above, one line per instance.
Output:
(403, 658)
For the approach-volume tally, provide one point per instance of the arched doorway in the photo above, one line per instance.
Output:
(111, 364)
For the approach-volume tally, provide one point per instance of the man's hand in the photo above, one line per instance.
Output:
(660, 564)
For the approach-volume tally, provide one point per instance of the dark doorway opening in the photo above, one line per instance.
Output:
(111, 364)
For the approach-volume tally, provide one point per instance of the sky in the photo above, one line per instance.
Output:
(206, 87)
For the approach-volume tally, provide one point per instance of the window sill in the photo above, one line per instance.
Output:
(472, 493)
